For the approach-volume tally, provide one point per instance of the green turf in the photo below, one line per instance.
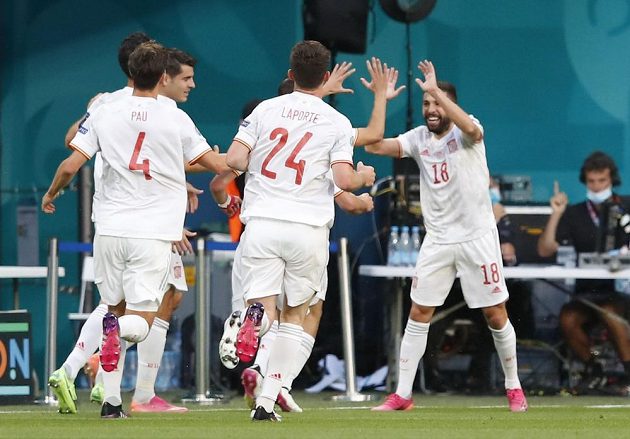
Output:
(433, 417)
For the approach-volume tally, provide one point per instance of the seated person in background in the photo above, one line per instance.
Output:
(581, 225)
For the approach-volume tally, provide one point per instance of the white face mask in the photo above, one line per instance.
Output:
(599, 197)
(495, 195)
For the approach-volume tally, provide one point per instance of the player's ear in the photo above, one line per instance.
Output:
(164, 79)
(326, 77)
(290, 75)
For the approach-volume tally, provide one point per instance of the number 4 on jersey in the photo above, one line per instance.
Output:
(133, 163)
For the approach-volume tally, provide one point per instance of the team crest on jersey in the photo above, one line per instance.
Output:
(82, 129)
(452, 146)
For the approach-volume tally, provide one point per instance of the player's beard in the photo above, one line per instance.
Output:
(440, 127)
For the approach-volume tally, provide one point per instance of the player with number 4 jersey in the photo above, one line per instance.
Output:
(461, 233)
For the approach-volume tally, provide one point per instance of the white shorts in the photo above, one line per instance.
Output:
(238, 296)
(176, 275)
(478, 263)
(131, 269)
(280, 256)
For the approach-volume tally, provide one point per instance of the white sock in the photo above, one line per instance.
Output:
(280, 361)
(264, 348)
(133, 328)
(412, 347)
(303, 354)
(112, 380)
(505, 344)
(150, 352)
(87, 343)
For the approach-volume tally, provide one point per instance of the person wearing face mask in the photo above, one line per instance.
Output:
(581, 225)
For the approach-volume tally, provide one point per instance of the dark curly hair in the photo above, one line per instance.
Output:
(599, 161)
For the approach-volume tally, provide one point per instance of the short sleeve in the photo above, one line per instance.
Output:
(343, 148)
(85, 140)
(193, 142)
(247, 130)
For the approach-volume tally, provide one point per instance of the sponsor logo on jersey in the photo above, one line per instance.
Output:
(425, 152)
(496, 290)
(244, 123)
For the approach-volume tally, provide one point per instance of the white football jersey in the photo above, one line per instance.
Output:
(104, 98)
(143, 144)
(454, 181)
(294, 139)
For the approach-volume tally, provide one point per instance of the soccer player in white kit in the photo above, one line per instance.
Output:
(287, 146)
(179, 82)
(383, 84)
(461, 234)
(142, 204)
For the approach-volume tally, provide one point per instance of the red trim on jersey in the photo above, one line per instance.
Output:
(342, 161)
(243, 143)
(196, 159)
(341, 191)
(79, 150)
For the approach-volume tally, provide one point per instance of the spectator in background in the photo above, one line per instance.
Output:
(585, 227)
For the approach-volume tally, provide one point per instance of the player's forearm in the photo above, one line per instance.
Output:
(547, 244)
(218, 186)
(375, 129)
(457, 115)
(213, 162)
(62, 178)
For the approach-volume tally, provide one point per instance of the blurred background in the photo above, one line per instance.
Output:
(548, 81)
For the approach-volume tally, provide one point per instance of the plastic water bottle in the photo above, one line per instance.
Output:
(393, 251)
(416, 242)
(406, 247)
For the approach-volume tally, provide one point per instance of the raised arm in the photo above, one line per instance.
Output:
(387, 147)
(452, 110)
(379, 76)
(547, 244)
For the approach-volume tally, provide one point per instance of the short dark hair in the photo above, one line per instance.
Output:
(147, 65)
(449, 89)
(286, 86)
(177, 58)
(127, 46)
(599, 161)
(309, 62)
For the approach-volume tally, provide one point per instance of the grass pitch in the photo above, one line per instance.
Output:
(433, 417)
